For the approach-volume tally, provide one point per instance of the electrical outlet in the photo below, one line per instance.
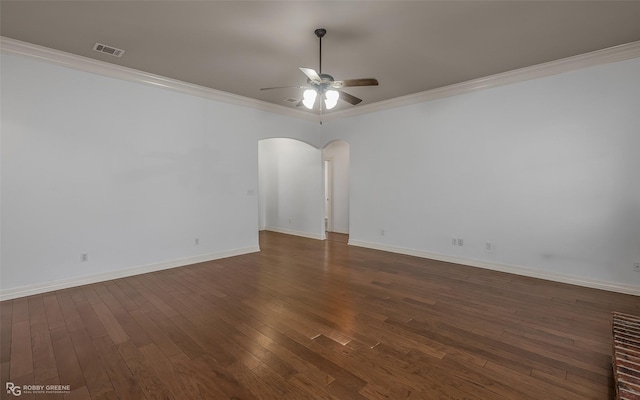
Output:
(636, 267)
(381, 232)
(84, 257)
(488, 246)
(454, 241)
(197, 242)
(290, 220)
(460, 242)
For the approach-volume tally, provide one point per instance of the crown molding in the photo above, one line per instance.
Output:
(12, 46)
(598, 57)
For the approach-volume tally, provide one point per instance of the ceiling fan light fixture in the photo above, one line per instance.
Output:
(329, 90)
(309, 98)
(331, 98)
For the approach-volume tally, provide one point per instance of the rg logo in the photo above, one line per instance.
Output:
(13, 389)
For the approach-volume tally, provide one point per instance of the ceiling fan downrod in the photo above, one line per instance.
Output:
(320, 32)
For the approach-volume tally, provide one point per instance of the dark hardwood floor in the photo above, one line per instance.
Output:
(307, 319)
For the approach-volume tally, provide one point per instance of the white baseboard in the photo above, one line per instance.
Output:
(309, 235)
(8, 294)
(516, 270)
(344, 232)
(22, 291)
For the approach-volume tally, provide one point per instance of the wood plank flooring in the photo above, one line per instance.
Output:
(307, 319)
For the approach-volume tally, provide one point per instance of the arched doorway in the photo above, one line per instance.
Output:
(291, 189)
(303, 190)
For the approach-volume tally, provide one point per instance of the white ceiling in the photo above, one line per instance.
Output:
(241, 46)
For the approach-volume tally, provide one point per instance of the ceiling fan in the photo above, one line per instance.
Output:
(324, 85)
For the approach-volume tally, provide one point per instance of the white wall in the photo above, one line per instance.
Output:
(338, 154)
(131, 174)
(291, 187)
(547, 170)
(127, 173)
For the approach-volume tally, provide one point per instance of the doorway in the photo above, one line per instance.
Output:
(303, 190)
(290, 186)
(335, 156)
(328, 184)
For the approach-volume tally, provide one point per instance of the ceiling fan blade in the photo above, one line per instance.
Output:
(285, 87)
(311, 74)
(355, 82)
(349, 98)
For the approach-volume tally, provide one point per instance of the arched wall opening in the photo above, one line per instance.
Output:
(303, 190)
(291, 188)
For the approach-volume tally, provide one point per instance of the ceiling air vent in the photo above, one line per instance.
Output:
(103, 48)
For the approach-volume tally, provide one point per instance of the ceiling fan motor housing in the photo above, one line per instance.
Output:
(325, 83)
